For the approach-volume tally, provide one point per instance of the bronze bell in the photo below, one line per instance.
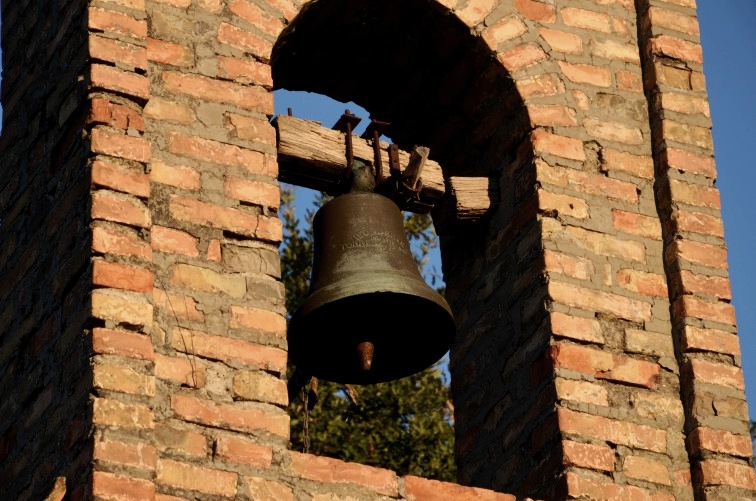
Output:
(369, 316)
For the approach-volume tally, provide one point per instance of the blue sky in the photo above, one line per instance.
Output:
(729, 42)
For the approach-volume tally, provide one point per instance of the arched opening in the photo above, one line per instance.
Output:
(416, 65)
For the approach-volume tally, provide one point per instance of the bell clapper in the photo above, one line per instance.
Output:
(366, 350)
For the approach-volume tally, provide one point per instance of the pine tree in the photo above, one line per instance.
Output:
(403, 425)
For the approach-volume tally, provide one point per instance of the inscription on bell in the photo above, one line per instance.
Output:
(382, 240)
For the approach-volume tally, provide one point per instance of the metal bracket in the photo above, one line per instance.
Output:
(374, 132)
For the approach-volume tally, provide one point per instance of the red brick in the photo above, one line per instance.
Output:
(713, 256)
(254, 129)
(650, 470)
(663, 18)
(565, 264)
(119, 208)
(693, 194)
(595, 457)
(214, 251)
(714, 472)
(121, 488)
(121, 307)
(688, 162)
(697, 222)
(287, 8)
(124, 82)
(612, 431)
(170, 53)
(170, 111)
(120, 145)
(244, 41)
(258, 319)
(138, 455)
(713, 373)
(185, 370)
(536, 11)
(177, 305)
(613, 131)
(522, 56)
(635, 165)
(116, 22)
(219, 91)
(607, 245)
(692, 306)
(221, 153)
(118, 52)
(587, 488)
(564, 205)
(547, 84)
(423, 489)
(642, 282)
(636, 224)
(242, 451)
(616, 51)
(262, 489)
(181, 4)
(552, 115)
(579, 328)
(182, 442)
(214, 6)
(604, 365)
(719, 441)
(587, 74)
(256, 16)
(115, 115)
(581, 391)
(506, 28)
(562, 41)
(684, 103)
(713, 340)
(592, 300)
(649, 343)
(124, 343)
(260, 386)
(552, 144)
(121, 276)
(110, 241)
(664, 45)
(585, 182)
(204, 279)
(231, 416)
(174, 241)
(108, 412)
(230, 350)
(131, 4)
(192, 211)
(630, 81)
(120, 178)
(196, 478)
(684, 133)
(587, 19)
(180, 176)
(323, 469)
(246, 72)
(254, 192)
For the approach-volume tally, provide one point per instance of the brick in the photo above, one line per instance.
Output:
(552, 144)
(612, 431)
(230, 350)
(635, 165)
(234, 220)
(714, 472)
(121, 488)
(214, 251)
(108, 412)
(116, 22)
(261, 387)
(595, 457)
(581, 391)
(196, 478)
(173, 441)
(244, 41)
(225, 154)
(214, 6)
(124, 82)
(323, 469)
(131, 4)
(586, 19)
(564, 205)
(121, 53)
(607, 245)
(686, 134)
(627, 80)
(613, 131)
(203, 279)
(285, 7)
(124, 343)
(562, 41)
(579, 328)
(604, 365)
(58, 491)
(423, 489)
(242, 451)
(174, 241)
(587, 74)
(616, 51)
(684, 103)
(177, 305)
(246, 72)
(254, 192)
(664, 45)
(587, 488)
(120, 145)
(170, 111)
(256, 16)
(536, 11)
(722, 441)
(503, 30)
(552, 115)
(138, 455)
(179, 176)
(219, 91)
(522, 56)
(585, 182)
(121, 276)
(120, 178)
(592, 300)
(672, 20)
(258, 319)
(121, 307)
(186, 370)
(169, 53)
(181, 4)
(636, 224)
(649, 343)
(713, 340)
(714, 373)
(685, 161)
(542, 85)
(692, 306)
(713, 256)
(262, 489)
(115, 115)
(251, 128)
(687, 282)
(697, 222)
(565, 264)
(650, 470)
(657, 407)
(642, 282)
(231, 416)
(693, 194)
(119, 208)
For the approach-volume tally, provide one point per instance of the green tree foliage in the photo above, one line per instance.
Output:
(403, 425)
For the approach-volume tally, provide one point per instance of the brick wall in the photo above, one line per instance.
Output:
(141, 309)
